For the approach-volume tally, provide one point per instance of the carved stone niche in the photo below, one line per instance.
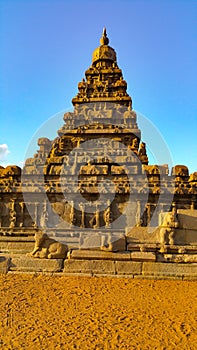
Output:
(193, 177)
(92, 169)
(180, 170)
(151, 169)
(44, 143)
(29, 161)
(106, 241)
(117, 169)
(11, 171)
(68, 116)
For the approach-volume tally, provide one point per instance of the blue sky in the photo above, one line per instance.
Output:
(46, 46)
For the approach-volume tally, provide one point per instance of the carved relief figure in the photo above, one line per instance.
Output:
(134, 144)
(95, 222)
(107, 216)
(54, 150)
(73, 218)
(82, 208)
(89, 169)
(142, 150)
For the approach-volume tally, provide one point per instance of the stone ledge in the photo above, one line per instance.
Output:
(89, 266)
(177, 258)
(148, 247)
(17, 238)
(28, 264)
(98, 255)
(188, 278)
(169, 269)
(16, 247)
(99, 267)
(162, 277)
(128, 267)
(191, 249)
(143, 256)
(76, 274)
(4, 264)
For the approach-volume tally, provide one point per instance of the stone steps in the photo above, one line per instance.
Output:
(120, 256)
(94, 263)
(16, 245)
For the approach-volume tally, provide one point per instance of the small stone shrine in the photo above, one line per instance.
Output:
(92, 186)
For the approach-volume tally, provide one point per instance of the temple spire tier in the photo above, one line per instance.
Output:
(103, 80)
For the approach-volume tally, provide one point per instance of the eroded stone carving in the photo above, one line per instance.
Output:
(10, 170)
(95, 222)
(107, 216)
(180, 170)
(47, 248)
(170, 223)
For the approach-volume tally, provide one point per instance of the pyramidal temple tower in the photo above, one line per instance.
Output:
(92, 185)
(104, 80)
(97, 153)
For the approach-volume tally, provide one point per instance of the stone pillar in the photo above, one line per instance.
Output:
(81, 206)
(12, 214)
(21, 204)
(72, 214)
(148, 210)
(107, 216)
(35, 224)
(97, 217)
(138, 214)
(44, 216)
(1, 211)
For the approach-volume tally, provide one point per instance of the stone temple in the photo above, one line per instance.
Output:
(92, 187)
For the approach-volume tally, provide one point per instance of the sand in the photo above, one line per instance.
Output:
(58, 312)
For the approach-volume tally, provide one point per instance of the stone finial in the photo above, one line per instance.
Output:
(104, 40)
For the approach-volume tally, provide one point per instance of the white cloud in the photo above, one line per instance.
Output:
(4, 151)
(21, 163)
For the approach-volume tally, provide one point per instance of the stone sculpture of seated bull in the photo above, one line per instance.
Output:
(47, 248)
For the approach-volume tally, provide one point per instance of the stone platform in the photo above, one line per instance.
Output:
(131, 257)
(143, 265)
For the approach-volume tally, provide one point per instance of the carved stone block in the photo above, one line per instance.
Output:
(128, 267)
(28, 264)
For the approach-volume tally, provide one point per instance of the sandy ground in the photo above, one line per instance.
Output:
(58, 312)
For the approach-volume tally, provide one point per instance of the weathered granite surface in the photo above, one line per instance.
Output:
(92, 187)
